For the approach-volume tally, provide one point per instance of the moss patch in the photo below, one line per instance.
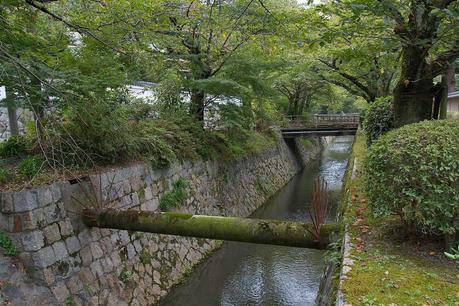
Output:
(389, 269)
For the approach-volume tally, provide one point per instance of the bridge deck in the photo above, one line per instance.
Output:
(321, 125)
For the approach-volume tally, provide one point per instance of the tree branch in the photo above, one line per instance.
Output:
(441, 62)
(354, 80)
(76, 27)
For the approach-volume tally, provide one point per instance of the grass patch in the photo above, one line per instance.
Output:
(174, 197)
(390, 269)
(9, 249)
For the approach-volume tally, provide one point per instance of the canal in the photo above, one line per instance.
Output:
(251, 274)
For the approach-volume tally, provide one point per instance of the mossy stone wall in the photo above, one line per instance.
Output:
(66, 262)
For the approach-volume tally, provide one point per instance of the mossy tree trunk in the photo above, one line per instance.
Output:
(418, 32)
(286, 233)
(414, 93)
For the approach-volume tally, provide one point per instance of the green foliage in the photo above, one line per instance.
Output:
(5, 175)
(145, 257)
(334, 255)
(174, 197)
(454, 255)
(307, 142)
(379, 118)
(69, 301)
(9, 249)
(14, 146)
(30, 167)
(414, 172)
(125, 275)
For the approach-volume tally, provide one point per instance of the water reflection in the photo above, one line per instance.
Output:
(250, 274)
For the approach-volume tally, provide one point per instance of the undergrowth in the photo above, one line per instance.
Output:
(174, 197)
(9, 249)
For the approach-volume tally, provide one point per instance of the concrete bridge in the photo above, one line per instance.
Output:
(321, 125)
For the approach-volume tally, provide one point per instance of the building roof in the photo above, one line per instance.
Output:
(453, 94)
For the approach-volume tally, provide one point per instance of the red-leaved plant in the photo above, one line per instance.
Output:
(319, 208)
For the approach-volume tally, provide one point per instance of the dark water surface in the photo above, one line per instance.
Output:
(251, 274)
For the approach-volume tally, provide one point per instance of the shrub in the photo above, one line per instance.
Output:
(378, 118)
(414, 172)
(4, 175)
(14, 146)
(30, 167)
(174, 197)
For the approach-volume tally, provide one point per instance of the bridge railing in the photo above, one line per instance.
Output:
(324, 120)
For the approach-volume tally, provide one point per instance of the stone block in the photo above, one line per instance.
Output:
(96, 250)
(96, 269)
(52, 213)
(86, 255)
(154, 189)
(148, 193)
(84, 237)
(74, 285)
(25, 201)
(45, 196)
(44, 257)
(5, 223)
(86, 276)
(56, 192)
(105, 232)
(124, 235)
(126, 187)
(29, 221)
(135, 199)
(137, 246)
(7, 202)
(39, 216)
(60, 250)
(51, 233)
(47, 276)
(157, 277)
(115, 239)
(116, 259)
(106, 243)
(61, 292)
(73, 244)
(130, 251)
(107, 264)
(32, 241)
(126, 201)
(66, 227)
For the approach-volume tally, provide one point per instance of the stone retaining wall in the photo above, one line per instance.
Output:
(63, 262)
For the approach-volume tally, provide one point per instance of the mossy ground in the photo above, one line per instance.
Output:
(389, 267)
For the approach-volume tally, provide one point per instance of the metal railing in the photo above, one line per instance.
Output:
(323, 120)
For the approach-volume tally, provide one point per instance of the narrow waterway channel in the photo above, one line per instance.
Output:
(251, 274)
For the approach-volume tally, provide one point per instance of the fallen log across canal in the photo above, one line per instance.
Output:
(285, 233)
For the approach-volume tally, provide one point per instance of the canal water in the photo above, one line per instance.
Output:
(252, 274)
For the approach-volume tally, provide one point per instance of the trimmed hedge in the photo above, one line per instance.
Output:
(414, 172)
(378, 119)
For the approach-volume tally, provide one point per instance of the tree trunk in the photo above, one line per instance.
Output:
(197, 104)
(443, 99)
(413, 95)
(285, 233)
(13, 121)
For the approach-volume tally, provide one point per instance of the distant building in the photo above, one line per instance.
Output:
(147, 92)
(453, 105)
